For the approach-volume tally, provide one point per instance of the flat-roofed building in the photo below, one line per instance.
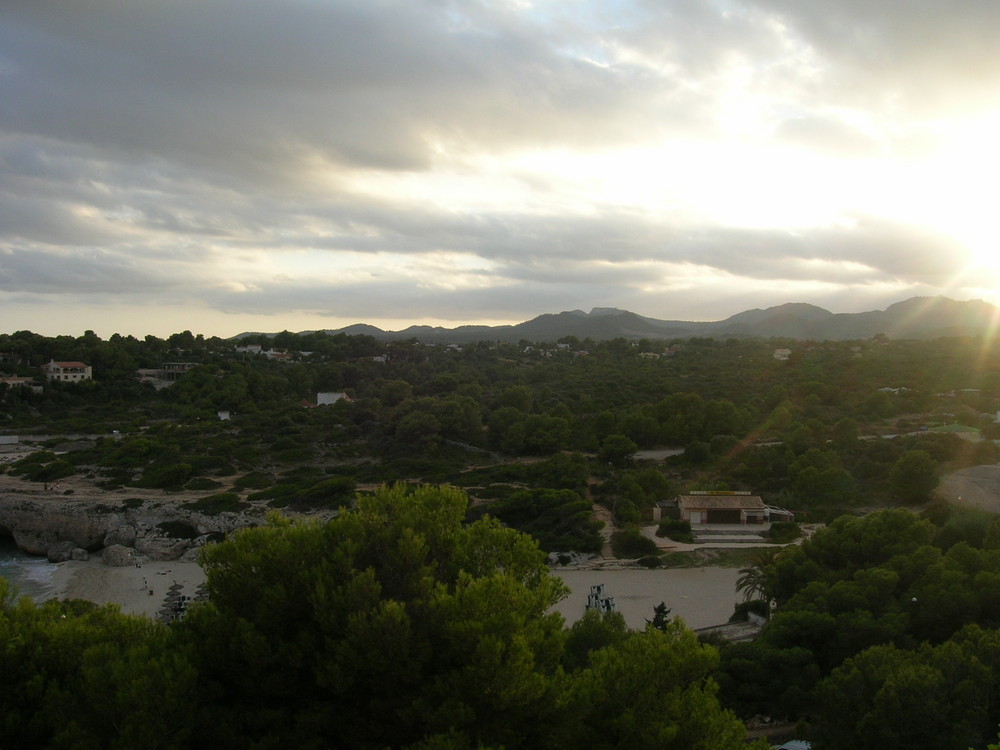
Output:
(67, 372)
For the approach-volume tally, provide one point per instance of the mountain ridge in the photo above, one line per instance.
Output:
(913, 318)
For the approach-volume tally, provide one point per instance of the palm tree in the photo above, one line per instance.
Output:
(755, 579)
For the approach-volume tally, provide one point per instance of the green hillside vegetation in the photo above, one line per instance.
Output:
(885, 610)
(799, 432)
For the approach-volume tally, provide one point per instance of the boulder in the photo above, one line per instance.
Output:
(60, 552)
(118, 556)
(120, 536)
(34, 542)
(80, 554)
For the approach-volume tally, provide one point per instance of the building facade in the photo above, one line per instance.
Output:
(67, 372)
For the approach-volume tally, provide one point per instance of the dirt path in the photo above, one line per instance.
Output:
(603, 514)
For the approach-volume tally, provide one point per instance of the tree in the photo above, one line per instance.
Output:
(653, 692)
(597, 629)
(930, 699)
(661, 617)
(78, 675)
(617, 449)
(561, 520)
(913, 476)
(755, 579)
(390, 625)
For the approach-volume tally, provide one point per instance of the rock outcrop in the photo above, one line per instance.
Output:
(156, 529)
(63, 551)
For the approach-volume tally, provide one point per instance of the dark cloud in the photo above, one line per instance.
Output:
(194, 148)
(90, 272)
(270, 88)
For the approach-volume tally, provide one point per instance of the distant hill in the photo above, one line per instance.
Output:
(915, 318)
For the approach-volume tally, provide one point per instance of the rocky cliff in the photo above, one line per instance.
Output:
(64, 527)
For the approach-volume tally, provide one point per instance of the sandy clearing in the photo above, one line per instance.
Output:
(974, 487)
(137, 591)
(701, 597)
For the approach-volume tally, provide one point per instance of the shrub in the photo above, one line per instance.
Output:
(742, 610)
(255, 480)
(31, 463)
(649, 561)
(51, 471)
(293, 455)
(679, 531)
(164, 477)
(223, 502)
(330, 493)
(495, 491)
(631, 544)
(783, 532)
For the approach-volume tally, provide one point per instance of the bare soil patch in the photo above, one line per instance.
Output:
(974, 487)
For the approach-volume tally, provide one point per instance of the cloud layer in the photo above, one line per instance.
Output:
(221, 166)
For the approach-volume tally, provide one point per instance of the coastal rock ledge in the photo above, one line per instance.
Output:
(64, 527)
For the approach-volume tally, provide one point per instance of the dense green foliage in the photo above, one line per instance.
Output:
(477, 415)
(560, 520)
(394, 626)
(876, 620)
(676, 529)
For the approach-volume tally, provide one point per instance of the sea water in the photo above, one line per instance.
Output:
(31, 575)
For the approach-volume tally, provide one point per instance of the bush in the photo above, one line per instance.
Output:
(330, 493)
(166, 477)
(223, 502)
(293, 455)
(560, 520)
(650, 561)
(631, 544)
(742, 610)
(51, 471)
(255, 480)
(783, 532)
(31, 463)
(675, 529)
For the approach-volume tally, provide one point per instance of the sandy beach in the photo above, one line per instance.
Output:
(701, 597)
(149, 590)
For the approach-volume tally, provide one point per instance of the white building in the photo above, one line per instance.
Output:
(67, 371)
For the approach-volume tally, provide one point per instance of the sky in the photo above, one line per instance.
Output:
(222, 166)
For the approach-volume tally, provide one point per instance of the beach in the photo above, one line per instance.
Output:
(148, 590)
(701, 597)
